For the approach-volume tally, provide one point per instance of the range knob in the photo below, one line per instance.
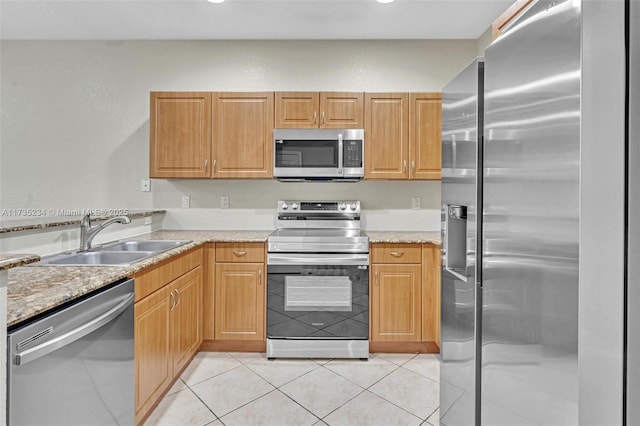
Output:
(284, 206)
(342, 206)
(353, 206)
(294, 206)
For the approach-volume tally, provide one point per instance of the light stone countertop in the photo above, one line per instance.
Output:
(19, 224)
(427, 237)
(12, 260)
(35, 289)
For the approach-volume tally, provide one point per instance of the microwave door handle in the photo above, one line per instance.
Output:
(340, 153)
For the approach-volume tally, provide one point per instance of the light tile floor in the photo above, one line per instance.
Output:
(246, 389)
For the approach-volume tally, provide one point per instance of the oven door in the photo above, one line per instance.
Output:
(318, 296)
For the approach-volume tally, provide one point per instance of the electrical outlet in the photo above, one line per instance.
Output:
(224, 202)
(145, 185)
(415, 203)
(186, 202)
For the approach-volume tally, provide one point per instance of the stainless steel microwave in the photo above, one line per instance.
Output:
(318, 154)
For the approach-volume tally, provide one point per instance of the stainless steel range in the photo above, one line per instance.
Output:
(318, 282)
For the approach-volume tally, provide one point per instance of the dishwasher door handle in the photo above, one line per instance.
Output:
(75, 334)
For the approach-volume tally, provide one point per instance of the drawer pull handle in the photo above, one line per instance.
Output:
(405, 166)
(240, 253)
(376, 281)
(260, 277)
(173, 301)
(179, 297)
(397, 253)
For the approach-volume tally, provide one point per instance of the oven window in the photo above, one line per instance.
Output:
(317, 302)
(317, 293)
(307, 154)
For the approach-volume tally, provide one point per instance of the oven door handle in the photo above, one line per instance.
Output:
(315, 259)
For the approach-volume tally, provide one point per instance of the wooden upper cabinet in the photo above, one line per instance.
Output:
(242, 135)
(425, 135)
(386, 127)
(341, 110)
(312, 110)
(500, 24)
(297, 110)
(180, 135)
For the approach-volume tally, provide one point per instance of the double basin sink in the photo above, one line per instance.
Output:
(119, 253)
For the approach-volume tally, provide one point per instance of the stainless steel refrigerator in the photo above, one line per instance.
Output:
(519, 297)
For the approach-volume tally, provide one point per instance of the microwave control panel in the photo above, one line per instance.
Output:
(352, 154)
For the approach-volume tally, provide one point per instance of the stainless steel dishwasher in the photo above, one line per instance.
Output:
(75, 365)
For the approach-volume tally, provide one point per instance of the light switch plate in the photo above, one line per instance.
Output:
(186, 202)
(145, 185)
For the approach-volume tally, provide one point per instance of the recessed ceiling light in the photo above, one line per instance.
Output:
(385, 1)
(215, 1)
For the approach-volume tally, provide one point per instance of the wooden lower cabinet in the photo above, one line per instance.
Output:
(240, 301)
(168, 327)
(396, 303)
(405, 298)
(186, 320)
(153, 355)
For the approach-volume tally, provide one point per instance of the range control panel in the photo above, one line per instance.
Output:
(297, 206)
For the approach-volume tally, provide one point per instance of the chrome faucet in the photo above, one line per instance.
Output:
(87, 232)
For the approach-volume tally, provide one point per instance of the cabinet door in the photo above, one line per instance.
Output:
(186, 317)
(341, 110)
(180, 135)
(425, 134)
(242, 135)
(153, 365)
(240, 301)
(396, 303)
(387, 136)
(296, 110)
(431, 293)
(208, 292)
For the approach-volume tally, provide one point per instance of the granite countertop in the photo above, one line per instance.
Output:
(12, 260)
(430, 237)
(35, 289)
(37, 218)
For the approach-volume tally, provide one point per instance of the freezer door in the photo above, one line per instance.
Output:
(530, 221)
(461, 118)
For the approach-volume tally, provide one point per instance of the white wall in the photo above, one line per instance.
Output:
(75, 114)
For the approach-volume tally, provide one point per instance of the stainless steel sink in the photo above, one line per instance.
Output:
(119, 253)
(93, 258)
(156, 246)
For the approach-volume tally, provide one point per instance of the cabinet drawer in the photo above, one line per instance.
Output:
(396, 253)
(240, 252)
(157, 277)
